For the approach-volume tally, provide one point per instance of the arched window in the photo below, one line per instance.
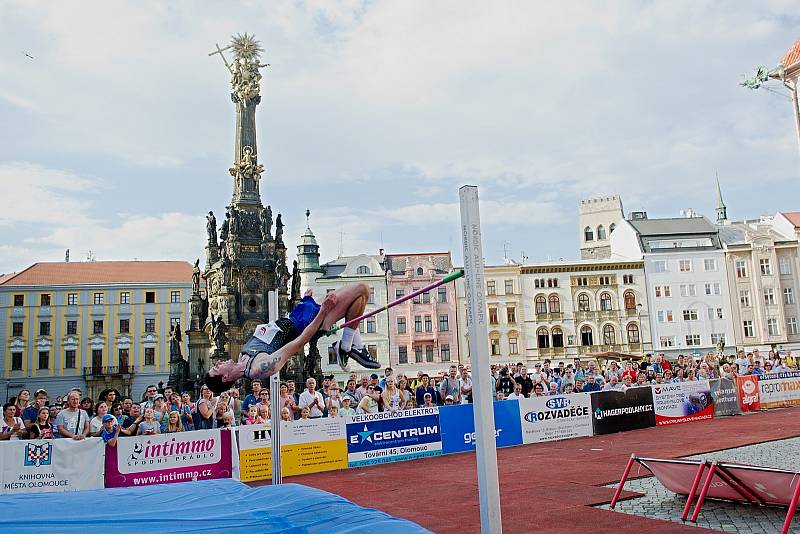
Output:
(609, 336)
(605, 302)
(362, 269)
(558, 337)
(544, 338)
(541, 304)
(555, 304)
(583, 302)
(611, 228)
(630, 300)
(419, 271)
(633, 333)
(601, 232)
(587, 338)
(588, 234)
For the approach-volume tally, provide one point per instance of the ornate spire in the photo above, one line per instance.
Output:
(722, 210)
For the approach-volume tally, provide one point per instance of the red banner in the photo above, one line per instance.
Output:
(749, 397)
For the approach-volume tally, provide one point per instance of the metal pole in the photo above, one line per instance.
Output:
(275, 400)
(796, 110)
(622, 481)
(483, 413)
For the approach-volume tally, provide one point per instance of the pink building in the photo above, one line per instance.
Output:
(422, 331)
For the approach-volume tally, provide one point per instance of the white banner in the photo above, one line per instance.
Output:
(556, 417)
(682, 402)
(779, 389)
(40, 466)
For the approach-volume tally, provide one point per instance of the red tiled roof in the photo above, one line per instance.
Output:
(100, 272)
(794, 217)
(792, 55)
(4, 277)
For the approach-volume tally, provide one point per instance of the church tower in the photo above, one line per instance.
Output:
(308, 256)
(722, 210)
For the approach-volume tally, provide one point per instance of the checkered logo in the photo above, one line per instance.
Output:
(38, 455)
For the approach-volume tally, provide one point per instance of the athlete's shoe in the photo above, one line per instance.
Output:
(341, 357)
(364, 358)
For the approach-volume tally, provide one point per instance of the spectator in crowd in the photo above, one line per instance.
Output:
(235, 404)
(204, 412)
(312, 399)
(553, 388)
(347, 408)
(386, 374)
(227, 419)
(127, 402)
(305, 412)
(423, 388)
(222, 408)
(252, 415)
(465, 387)
(159, 409)
(627, 382)
(30, 413)
(286, 400)
(499, 396)
(757, 370)
(668, 375)
(42, 426)
(335, 397)
(427, 400)
(173, 423)
(110, 431)
(613, 370)
(149, 424)
(186, 399)
(333, 411)
(517, 393)
(569, 388)
(22, 402)
(402, 385)
(613, 383)
(628, 370)
(87, 405)
(526, 381)
(392, 397)
(263, 416)
(579, 385)
(538, 389)
(109, 397)
(286, 415)
(579, 372)
(96, 423)
(449, 400)
(691, 376)
(72, 422)
(768, 367)
(369, 403)
(591, 369)
(591, 383)
(149, 397)
(12, 426)
(361, 390)
(351, 393)
(449, 385)
(263, 397)
(505, 384)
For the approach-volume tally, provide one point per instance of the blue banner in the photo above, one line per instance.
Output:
(388, 437)
(458, 426)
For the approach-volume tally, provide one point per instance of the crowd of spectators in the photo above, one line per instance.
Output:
(76, 416)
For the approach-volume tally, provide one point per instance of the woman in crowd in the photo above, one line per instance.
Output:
(391, 396)
(186, 399)
(116, 411)
(405, 392)
(287, 400)
(205, 410)
(96, 423)
(22, 402)
(369, 404)
(679, 375)
(12, 426)
(87, 405)
(42, 428)
(159, 409)
(173, 423)
(235, 404)
(690, 376)
(149, 425)
(335, 398)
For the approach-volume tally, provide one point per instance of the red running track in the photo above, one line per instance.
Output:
(546, 487)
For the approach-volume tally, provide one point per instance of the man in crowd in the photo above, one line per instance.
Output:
(591, 384)
(72, 422)
(465, 387)
(517, 393)
(312, 399)
(149, 397)
(525, 380)
(252, 398)
(613, 384)
(351, 393)
(449, 385)
(505, 384)
(30, 413)
(424, 388)
(386, 374)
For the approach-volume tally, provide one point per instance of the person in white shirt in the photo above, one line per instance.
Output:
(465, 387)
(613, 384)
(312, 399)
(517, 392)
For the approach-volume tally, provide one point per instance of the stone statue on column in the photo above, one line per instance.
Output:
(278, 229)
(211, 229)
(196, 278)
(266, 223)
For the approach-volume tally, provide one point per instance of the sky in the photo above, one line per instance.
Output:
(117, 133)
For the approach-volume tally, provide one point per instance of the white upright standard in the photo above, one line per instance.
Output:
(275, 399)
(482, 397)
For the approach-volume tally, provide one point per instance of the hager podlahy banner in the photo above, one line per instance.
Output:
(617, 411)
(682, 402)
(778, 390)
(42, 466)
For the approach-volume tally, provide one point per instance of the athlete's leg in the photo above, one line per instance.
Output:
(351, 301)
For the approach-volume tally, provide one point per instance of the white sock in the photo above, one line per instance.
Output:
(357, 343)
(347, 339)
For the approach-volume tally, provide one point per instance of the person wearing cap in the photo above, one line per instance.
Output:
(346, 408)
(427, 400)
(369, 404)
(449, 400)
(30, 413)
(423, 388)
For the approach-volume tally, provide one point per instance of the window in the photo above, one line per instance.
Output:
(791, 325)
(123, 357)
(174, 297)
(16, 329)
(512, 346)
(99, 299)
(402, 354)
(124, 326)
(605, 280)
(444, 323)
(495, 346)
(362, 269)
(543, 338)
(509, 287)
(583, 302)
(420, 272)
(712, 288)
(444, 352)
(715, 313)
(150, 297)
(69, 359)
(442, 293)
(428, 324)
(554, 304)
(72, 299)
(788, 295)
(44, 359)
(426, 297)
(125, 297)
(627, 279)
(716, 338)
(429, 353)
(688, 290)
(173, 322)
(399, 293)
(149, 356)
(587, 338)
(710, 265)
(769, 296)
(371, 325)
(785, 265)
(417, 323)
(667, 341)
(44, 328)
(541, 304)
(44, 299)
(493, 316)
(633, 333)
(97, 326)
(16, 361)
(605, 302)
(690, 315)
(557, 336)
(741, 268)
(772, 327)
(685, 266)
(490, 287)
(149, 325)
(97, 360)
(692, 340)
(72, 328)
(630, 300)
(748, 328)
(19, 300)
(588, 234)
(660, 266)
(511, 315)
(371, 299)
(744, 298)
(373, 351)
(664, 316)
(417, 298)
(418, 354)
(401, 325)
(601, 232)
(609, 335)
(661, 291)
(582, 281)
(766, 267)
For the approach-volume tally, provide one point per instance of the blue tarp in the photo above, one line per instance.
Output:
(223, 505)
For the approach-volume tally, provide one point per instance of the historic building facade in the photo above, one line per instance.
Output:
(597, 218)
(91, 325)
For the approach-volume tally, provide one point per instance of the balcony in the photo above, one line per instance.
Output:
(549, 316)
(552, 352)
(586, 315)
(100, 370)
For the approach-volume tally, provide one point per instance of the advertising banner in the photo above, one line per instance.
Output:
(313, 445)
(45, 466)
(383, 437)
(167, 458)
(457, 424)
(255, 453)
(777, 390)
(556, 417)
(682, 402)
(615, 411)
(749, 397)
(726, 399)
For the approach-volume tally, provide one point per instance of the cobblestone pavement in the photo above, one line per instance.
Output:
(659, 503)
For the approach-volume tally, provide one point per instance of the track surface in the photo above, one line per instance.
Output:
(546, 487)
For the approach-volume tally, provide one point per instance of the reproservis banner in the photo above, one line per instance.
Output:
(683, 402)
(557, 417)
(41, 466)
(374, 438)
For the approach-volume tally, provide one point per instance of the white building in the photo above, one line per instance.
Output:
(684, 264)
(597, 218)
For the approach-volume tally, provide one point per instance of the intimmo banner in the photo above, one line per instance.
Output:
(682, 402)
(726, 399)
(778, 390)
(374, 438)
(554, 418)
(458, 426)
(167, 458)
(43, 466)
(615, 411)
